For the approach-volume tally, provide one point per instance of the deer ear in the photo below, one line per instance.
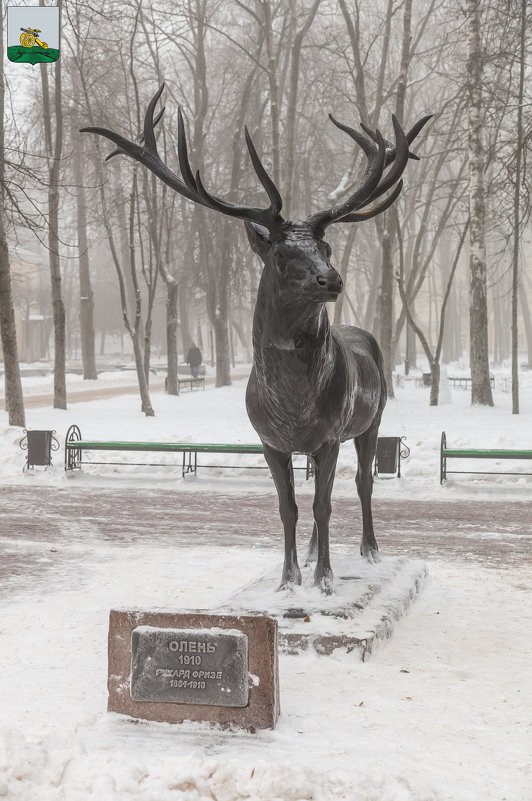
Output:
(259, 238)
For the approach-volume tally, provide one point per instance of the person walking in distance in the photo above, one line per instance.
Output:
(194, 359)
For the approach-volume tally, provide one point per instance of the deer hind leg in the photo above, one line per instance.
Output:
(280, 465)
(312, 553)
(366, 445)
(325, 460)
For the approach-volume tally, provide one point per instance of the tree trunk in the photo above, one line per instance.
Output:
(338, 306)
(211, 343)
(386, 302)
(218, 297)
(136, 340)
(172, 289)
(528, 324)
(13, 384)
(273, 82)
(86, 295)
(183, 299)
(295, 59)
(147, 349)
(434, 383)
(479, 353)
(517, 221)
(223, 357)
(411, 350)
(137, 331)
(54, 146)
(8, 331)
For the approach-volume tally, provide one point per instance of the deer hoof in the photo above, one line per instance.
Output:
(324, 580)
(370, 553)
(290, 580)
(326, 586)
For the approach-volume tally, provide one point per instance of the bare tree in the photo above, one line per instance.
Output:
(517, 208)
(13, 384)
(53, 137)
(86, 294)
(479, 354)
(433, 356)
(125, 260)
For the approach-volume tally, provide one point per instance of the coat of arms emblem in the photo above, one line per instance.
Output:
(32, 34)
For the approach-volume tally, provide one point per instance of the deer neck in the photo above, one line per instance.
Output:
(288, 327)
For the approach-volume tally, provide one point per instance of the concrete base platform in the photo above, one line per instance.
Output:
(367, 601)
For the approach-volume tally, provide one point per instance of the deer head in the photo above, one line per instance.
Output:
(297, 254)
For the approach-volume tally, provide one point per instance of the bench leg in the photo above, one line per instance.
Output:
(443, 458)
(189, 467)
(398, 457)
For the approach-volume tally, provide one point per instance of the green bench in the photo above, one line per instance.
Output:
(75, 446)
(478, 453)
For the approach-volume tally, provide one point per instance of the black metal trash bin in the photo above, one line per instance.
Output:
(388, 455)
(39, 445)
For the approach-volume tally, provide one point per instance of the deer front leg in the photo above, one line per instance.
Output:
(280, 465)
(325, 460)
(366, 445)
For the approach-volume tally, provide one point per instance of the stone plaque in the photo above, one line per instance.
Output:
(189, 666)
(166, 666)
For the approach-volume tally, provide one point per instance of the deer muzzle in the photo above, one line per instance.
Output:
(330, 282)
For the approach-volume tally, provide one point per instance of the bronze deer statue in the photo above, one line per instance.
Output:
(313, 385)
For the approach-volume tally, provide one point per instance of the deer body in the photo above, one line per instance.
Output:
(312, 385)
(311, 382)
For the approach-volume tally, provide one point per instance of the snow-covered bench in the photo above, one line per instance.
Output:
(75, 445)
(478, 453)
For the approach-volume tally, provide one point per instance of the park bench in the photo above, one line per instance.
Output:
(465, 380)
(191, 382)
(456, 380)
(185, 379)
(476, 453)
(75, 446)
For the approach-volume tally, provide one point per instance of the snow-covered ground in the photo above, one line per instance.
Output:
(219, 415)
(442, 712)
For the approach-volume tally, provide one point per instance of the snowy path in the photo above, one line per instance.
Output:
(98, 391)
(35, 520)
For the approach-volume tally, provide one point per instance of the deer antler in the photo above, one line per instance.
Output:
(374, 184)
(144, 150)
